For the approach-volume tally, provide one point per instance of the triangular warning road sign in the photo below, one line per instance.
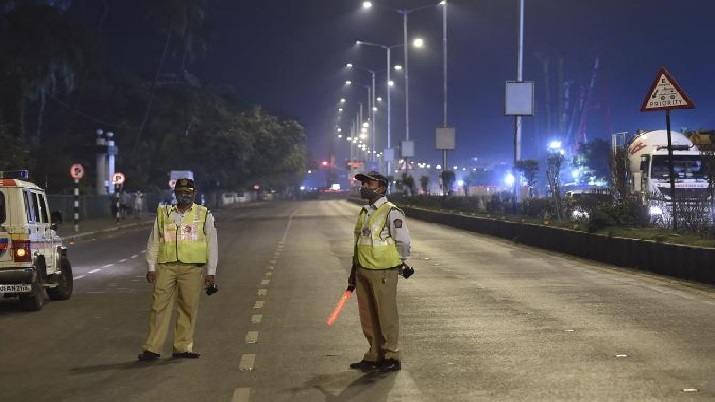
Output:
(665, 93)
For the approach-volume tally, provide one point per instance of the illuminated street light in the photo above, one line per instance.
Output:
(390, 83)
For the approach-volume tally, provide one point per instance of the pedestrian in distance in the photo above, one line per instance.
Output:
(382, 244)
(138, 204)
(182, 244)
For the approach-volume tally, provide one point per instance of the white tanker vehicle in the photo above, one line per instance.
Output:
(649, 174)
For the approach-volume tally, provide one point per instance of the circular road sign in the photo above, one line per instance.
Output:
(118, 178)
(172, 183)
(77, 171)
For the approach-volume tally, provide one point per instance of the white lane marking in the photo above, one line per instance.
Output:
(123, 260)
(94, 270)
(270, 267)
(144, 251)
(262, 292)
(269, 273)
(259, 304)
(135, 256)
(108, 265)
(272, 262)
(78, 277)
(241, 395)
(247, 362)
(256, 318)
(265, 282)
(252, 337)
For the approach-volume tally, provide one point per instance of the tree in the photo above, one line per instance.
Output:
(43, 58)
(528, 168)
(424, 184)
(448, 177)
(593, 160)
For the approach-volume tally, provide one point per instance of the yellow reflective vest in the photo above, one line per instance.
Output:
(374, 252)
(185, 242)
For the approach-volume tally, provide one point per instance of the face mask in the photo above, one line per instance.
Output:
(368, 193)
(184, 199)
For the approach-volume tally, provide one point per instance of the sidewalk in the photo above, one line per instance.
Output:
(89, 227)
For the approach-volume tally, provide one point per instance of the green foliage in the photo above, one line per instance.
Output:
(424, 184)
(448, 178)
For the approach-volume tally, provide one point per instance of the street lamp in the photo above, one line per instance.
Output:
(388, 49)
(372, 107)
(405, 13)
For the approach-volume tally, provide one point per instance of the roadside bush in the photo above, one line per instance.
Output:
(542, 208)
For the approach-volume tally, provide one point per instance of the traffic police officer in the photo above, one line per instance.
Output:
(182, 242)
(382, 244)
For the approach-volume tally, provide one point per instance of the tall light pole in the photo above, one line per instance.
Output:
(372, 107)
(405, 13)
(388, 49)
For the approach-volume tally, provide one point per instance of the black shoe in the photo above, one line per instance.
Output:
(390, 365)
(148, 356)
(364, 365)
(186, 355)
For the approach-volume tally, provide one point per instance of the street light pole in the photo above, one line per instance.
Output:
(389, 97)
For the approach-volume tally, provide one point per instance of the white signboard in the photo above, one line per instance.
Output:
(519, 98)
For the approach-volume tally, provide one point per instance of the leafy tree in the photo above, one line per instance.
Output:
(424, 184)
(528, 168)
(448, 178)
(593, 159)
(43, 57)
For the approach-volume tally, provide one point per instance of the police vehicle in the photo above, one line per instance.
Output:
(33, 260)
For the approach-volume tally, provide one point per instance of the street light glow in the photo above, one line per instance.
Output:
(398, 67)
(349, 65)
(418, 43)
(366, 4)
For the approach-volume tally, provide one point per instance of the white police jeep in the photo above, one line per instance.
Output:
(32, 257)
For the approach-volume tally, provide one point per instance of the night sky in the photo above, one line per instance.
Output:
(289, 57)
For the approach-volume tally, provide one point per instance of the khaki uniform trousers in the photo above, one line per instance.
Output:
(377, 303)
(174, 281)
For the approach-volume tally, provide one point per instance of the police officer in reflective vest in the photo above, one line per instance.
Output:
(382, 243)
(182, 244)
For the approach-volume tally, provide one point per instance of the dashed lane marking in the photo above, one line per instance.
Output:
(78, 277)
(247, 362)
(256, 318)
(262, 292)
(258, 304)
(123, 260)
(252, 337)
(94, 270)
(241, 395)
(108, 265)
(265, 282)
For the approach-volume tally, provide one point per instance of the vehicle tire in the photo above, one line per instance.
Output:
(65, 282)
(36, 298)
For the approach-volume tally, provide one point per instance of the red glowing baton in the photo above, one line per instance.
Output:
(339, 307)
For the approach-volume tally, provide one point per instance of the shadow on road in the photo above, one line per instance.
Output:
(131, 365)
(373, 386)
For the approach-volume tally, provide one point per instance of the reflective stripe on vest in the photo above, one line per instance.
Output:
(374, 252)
(185, 243)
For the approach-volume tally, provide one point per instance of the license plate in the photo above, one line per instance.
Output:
(19, 288)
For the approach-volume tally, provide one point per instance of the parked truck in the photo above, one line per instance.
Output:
(649, 174)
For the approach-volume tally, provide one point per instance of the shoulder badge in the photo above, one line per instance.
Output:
(397, 223)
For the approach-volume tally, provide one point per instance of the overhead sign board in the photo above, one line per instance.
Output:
(665, 93)
(77, 171)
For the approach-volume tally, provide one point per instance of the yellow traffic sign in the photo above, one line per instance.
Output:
(665, 93)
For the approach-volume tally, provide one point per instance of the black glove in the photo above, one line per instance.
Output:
(351, 279)
(406, 271)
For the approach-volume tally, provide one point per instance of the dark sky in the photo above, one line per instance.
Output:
(289, 56)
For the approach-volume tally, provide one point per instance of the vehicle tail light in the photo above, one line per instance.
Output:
(21, 251)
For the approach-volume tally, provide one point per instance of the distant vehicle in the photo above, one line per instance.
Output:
(32, 257)
(649, 174)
